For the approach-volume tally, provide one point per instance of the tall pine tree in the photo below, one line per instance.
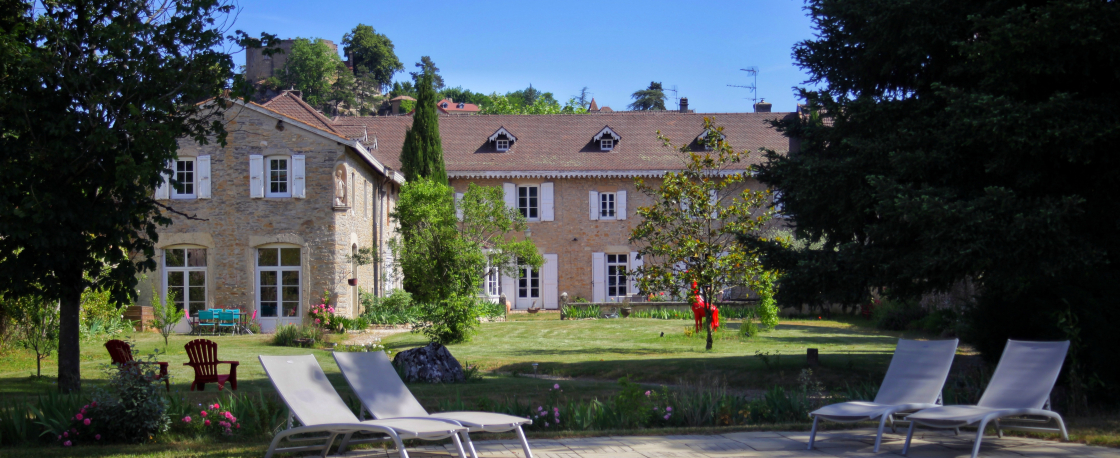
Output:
(422, 153)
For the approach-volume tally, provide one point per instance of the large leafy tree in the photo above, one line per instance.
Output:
(371, 53)
(444, 254)
(690, 233)
(651, 98)
(422, 152)
(962, 139)
(313, 68)
(97, 95)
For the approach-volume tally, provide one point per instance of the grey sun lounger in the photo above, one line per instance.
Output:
(1019, 388)
(372, 377)
(324, 416)
(913, 382)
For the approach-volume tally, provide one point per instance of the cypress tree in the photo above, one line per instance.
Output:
(422, 153)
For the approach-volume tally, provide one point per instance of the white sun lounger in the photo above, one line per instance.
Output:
(1020, 387)
(913, 382)
(372, 377)
(324, 416)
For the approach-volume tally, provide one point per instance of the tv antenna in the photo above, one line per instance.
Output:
(753, 72)
(675, 96)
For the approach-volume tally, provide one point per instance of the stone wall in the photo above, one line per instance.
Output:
(572, 235)
(231, 225)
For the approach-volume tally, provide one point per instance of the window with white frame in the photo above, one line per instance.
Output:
(490, 282)
(184, 175)
(606, 144)
(279, 176)
(502, 145)
(617, 275)
(528, 201)
(607, 205)
(184, 274)
(528, 282)
(278, 282)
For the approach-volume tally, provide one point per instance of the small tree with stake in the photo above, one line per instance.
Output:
(691, 231)
(37, 321)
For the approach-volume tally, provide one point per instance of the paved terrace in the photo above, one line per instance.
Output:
(849, 443)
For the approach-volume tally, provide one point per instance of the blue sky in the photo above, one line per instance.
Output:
(612, 47)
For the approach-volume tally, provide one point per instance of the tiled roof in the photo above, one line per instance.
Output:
(453, 107)
(294, 107)
(564, 143)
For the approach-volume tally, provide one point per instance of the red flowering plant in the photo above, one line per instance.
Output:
(211, 419)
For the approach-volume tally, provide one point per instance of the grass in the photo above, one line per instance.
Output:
(611, 348)
(594, 353)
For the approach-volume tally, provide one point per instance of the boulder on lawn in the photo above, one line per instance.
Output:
(432, 364)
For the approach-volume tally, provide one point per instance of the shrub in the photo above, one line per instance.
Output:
(396, 308)
(449, 321)
(891, 315)
(491, 309)
(288, 335)
(590, 311)
(133, 408)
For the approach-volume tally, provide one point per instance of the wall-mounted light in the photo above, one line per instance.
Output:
(528, 232)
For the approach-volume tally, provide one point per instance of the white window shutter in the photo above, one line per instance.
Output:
(203, 177)
(598, 277)
(635, 264)
(620, 205)
(299, 176)
(546, 202)
(458, 206)
(163, 191)
(509, 289)
(256, 176)
(551, 273)
(713, 196)
(593, 205)
(510, 194)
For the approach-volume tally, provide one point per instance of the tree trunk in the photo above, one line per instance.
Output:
(69, 349)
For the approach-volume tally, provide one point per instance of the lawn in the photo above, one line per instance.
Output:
(584, 356)
(594, 352)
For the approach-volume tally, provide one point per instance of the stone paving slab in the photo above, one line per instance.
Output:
(829, 444)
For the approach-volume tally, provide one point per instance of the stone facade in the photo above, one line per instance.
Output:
(232, 226)
(572, 235)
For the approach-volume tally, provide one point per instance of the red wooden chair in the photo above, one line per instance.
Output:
(203, 355)
(122, 354)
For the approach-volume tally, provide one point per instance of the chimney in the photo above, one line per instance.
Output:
(762, 106)
(684, 104)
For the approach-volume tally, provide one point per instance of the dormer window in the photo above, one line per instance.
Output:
(443, 105)
(502, 139)
(702, 139)
(461, 105)
(607, 139)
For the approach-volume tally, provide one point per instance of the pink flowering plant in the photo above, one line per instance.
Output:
(85, 426)
(323, 316)
(211, 419)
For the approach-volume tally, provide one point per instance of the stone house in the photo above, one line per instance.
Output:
(572, 176)
(276, 215)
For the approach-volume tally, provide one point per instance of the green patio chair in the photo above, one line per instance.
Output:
(229, 319)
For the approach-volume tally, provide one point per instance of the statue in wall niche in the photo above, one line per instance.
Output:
(340, 188)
